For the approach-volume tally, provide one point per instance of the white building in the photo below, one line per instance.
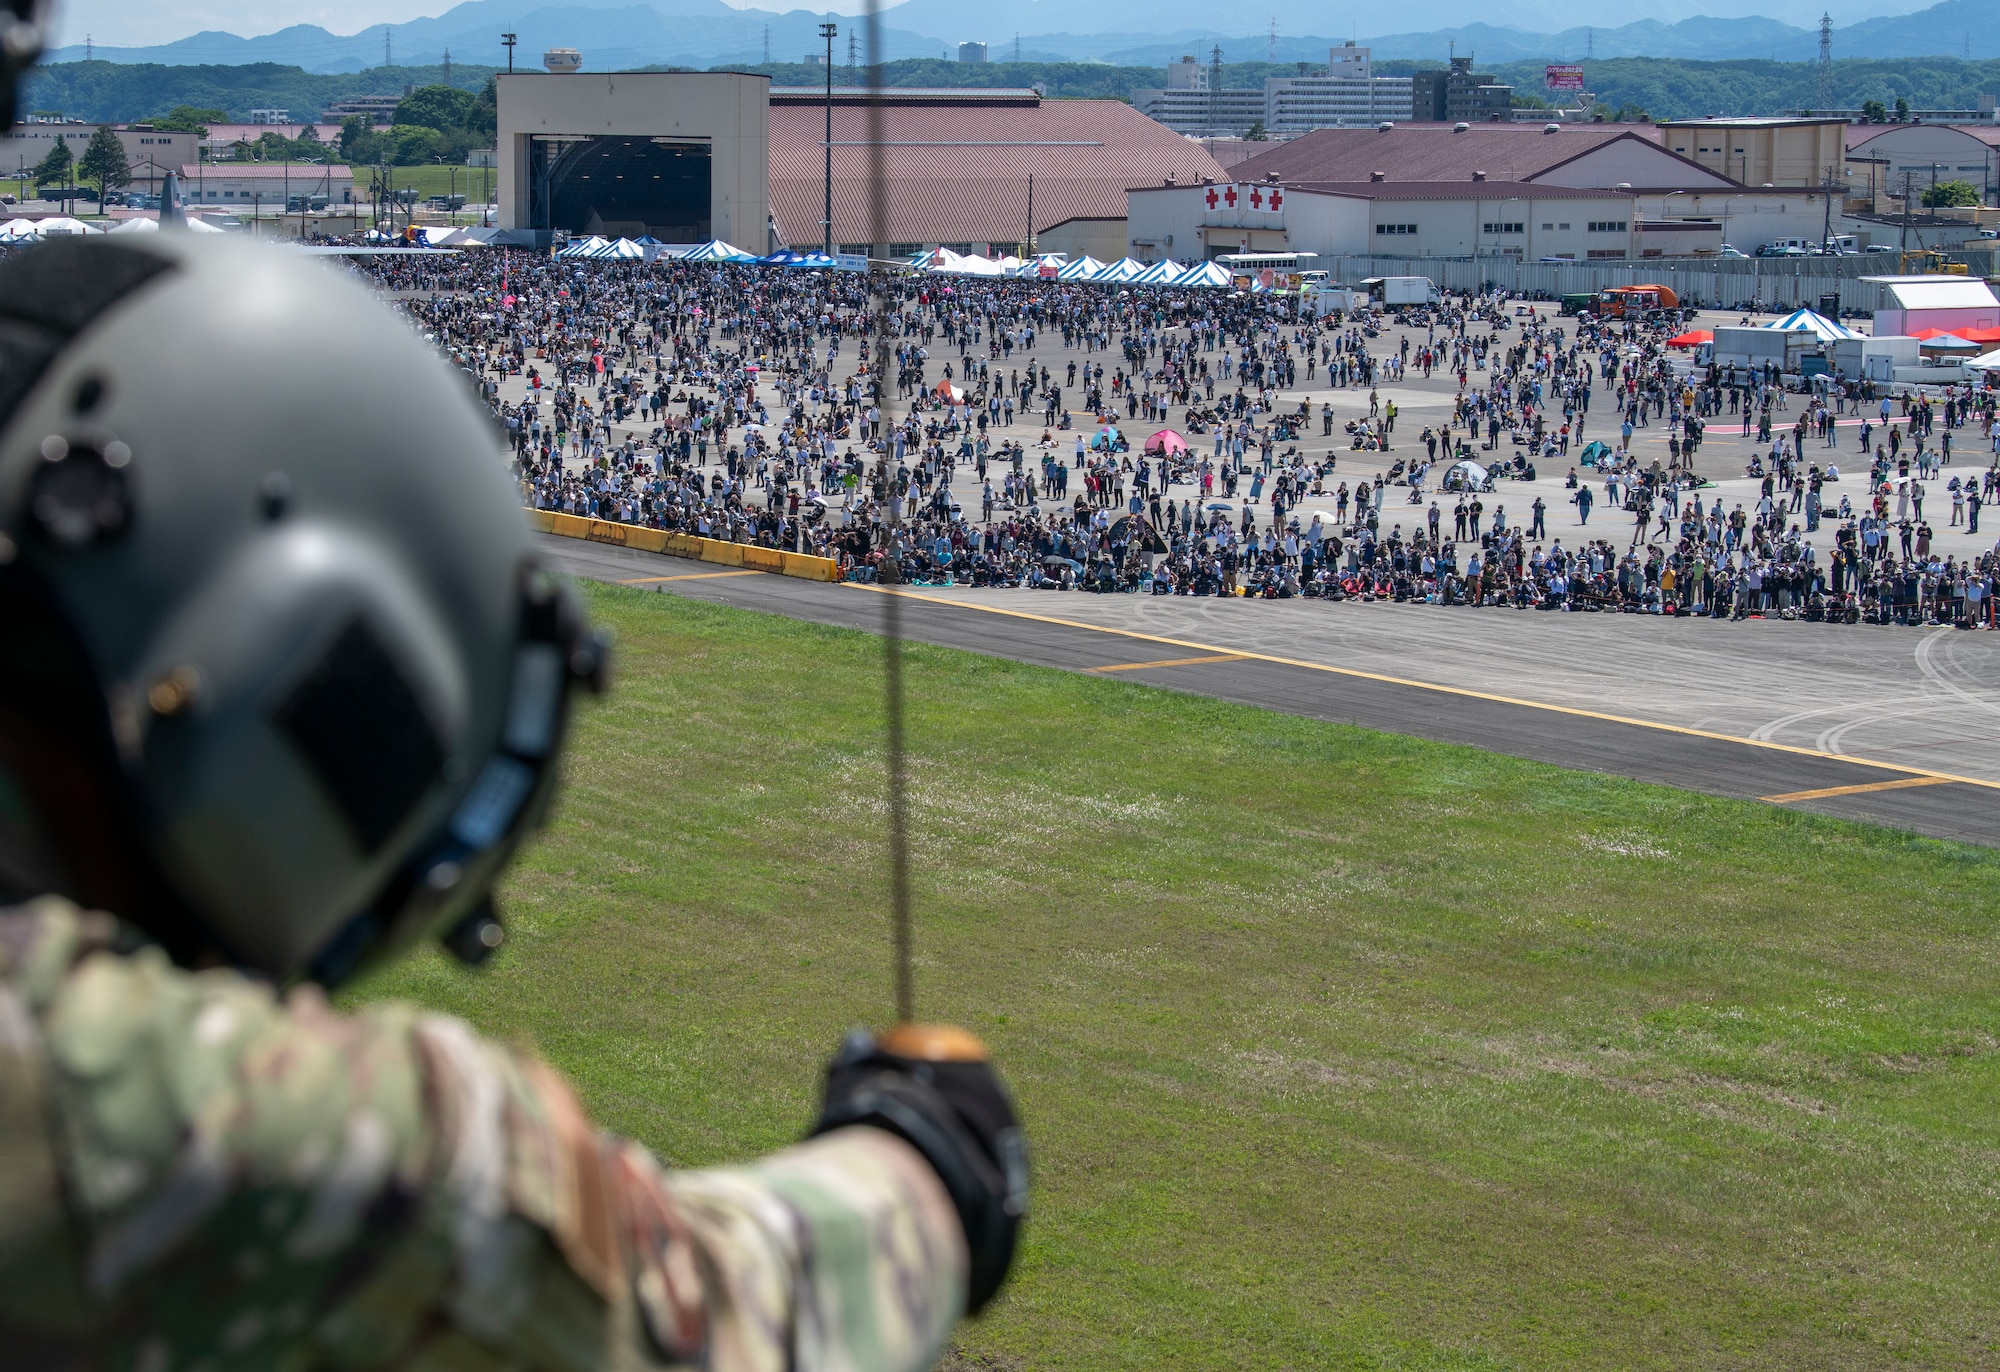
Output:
(1403, 219)
(265, 186)
(1346, 95)
(1905, 304)
(1891, 157)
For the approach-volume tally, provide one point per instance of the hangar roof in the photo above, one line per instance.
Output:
(959, 173)
(1444, 152)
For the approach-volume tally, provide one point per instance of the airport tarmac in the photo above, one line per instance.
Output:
(1895, 726)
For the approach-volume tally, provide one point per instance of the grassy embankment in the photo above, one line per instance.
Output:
(1338, 1049)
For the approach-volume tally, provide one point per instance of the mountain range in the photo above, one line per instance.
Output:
(704, 33)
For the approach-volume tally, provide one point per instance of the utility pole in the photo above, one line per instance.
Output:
(1903, 244)
(1829, 183)
(1823, 83)
(507, 41)
(1031, 216)
(829, 31)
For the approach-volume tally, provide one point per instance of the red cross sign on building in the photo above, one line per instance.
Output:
(1256, 198)
(1229, 197)
(1277, 198)
(1213, 198)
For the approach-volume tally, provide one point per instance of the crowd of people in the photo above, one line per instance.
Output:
(935, 432)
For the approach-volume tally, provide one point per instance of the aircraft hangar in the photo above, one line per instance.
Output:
(682, 156)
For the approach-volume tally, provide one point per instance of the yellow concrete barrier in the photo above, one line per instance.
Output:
(713, 550)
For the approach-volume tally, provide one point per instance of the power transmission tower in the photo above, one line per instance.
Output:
(1273, 56)
(388, 52)
(1589, 45)
(1214, 84)
(1823, 90)
(447, 66)
(852, 64)
(767, 45)
(89, 52)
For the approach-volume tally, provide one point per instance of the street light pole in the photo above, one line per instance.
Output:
(507, 41)
(827, 31)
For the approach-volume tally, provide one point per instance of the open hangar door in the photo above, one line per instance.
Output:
(621, 186)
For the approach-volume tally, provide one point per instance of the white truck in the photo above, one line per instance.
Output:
(1393, 291)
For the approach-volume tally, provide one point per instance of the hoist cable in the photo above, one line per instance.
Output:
(891, 506)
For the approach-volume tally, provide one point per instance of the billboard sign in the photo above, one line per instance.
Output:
(1564, 78)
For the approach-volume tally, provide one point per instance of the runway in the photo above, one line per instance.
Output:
(1895, 726)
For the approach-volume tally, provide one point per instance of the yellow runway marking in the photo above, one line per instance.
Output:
(1168, 662)
(1898, 785)
(1468, 694)
(689, 576)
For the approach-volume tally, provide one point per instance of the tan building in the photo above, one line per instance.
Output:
(150, 153)
(1762, 152)
(682, 156)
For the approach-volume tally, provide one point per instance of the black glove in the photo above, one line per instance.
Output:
(933, 1087)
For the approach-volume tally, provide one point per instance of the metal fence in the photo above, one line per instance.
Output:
(1770, 283)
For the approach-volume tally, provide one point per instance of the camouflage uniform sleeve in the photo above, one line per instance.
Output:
(195, 1174)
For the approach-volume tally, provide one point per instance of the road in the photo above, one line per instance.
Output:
(1896, 726)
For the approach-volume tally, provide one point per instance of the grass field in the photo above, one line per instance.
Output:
(1338, 1049)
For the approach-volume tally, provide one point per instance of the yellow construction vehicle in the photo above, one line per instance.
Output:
(1929, 260)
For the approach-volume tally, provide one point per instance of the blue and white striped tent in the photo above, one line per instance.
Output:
(1083, 269)
(1124, 270)
(715, 250)
(584, 247)
(1204, 274)
(922, 261)
(1809, 321)
(1160, 274)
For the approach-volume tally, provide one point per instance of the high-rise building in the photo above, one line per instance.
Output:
(1346, 94)
(1458, 94)
(972, 52)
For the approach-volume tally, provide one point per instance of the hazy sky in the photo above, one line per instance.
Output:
(135, 23)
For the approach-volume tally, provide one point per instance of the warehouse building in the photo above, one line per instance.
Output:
(1405, 219)
(969, 170)
(689, 156)
(1674, 207)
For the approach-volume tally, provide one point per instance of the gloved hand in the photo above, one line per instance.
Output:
(933, 1086)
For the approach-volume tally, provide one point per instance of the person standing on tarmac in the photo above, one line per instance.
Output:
(281, 712)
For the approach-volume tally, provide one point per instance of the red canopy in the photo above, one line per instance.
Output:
(1691, 337)
(1166, 441)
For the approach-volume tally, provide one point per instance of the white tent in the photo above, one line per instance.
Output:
(18, 231)
(715, 250)
(1986, 362)
(1204, 274)
(1163, 273)
(1804, 321)
(1082, 269)
(141, 225)
(60, 226)
(1475, 476)
(950, 263)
